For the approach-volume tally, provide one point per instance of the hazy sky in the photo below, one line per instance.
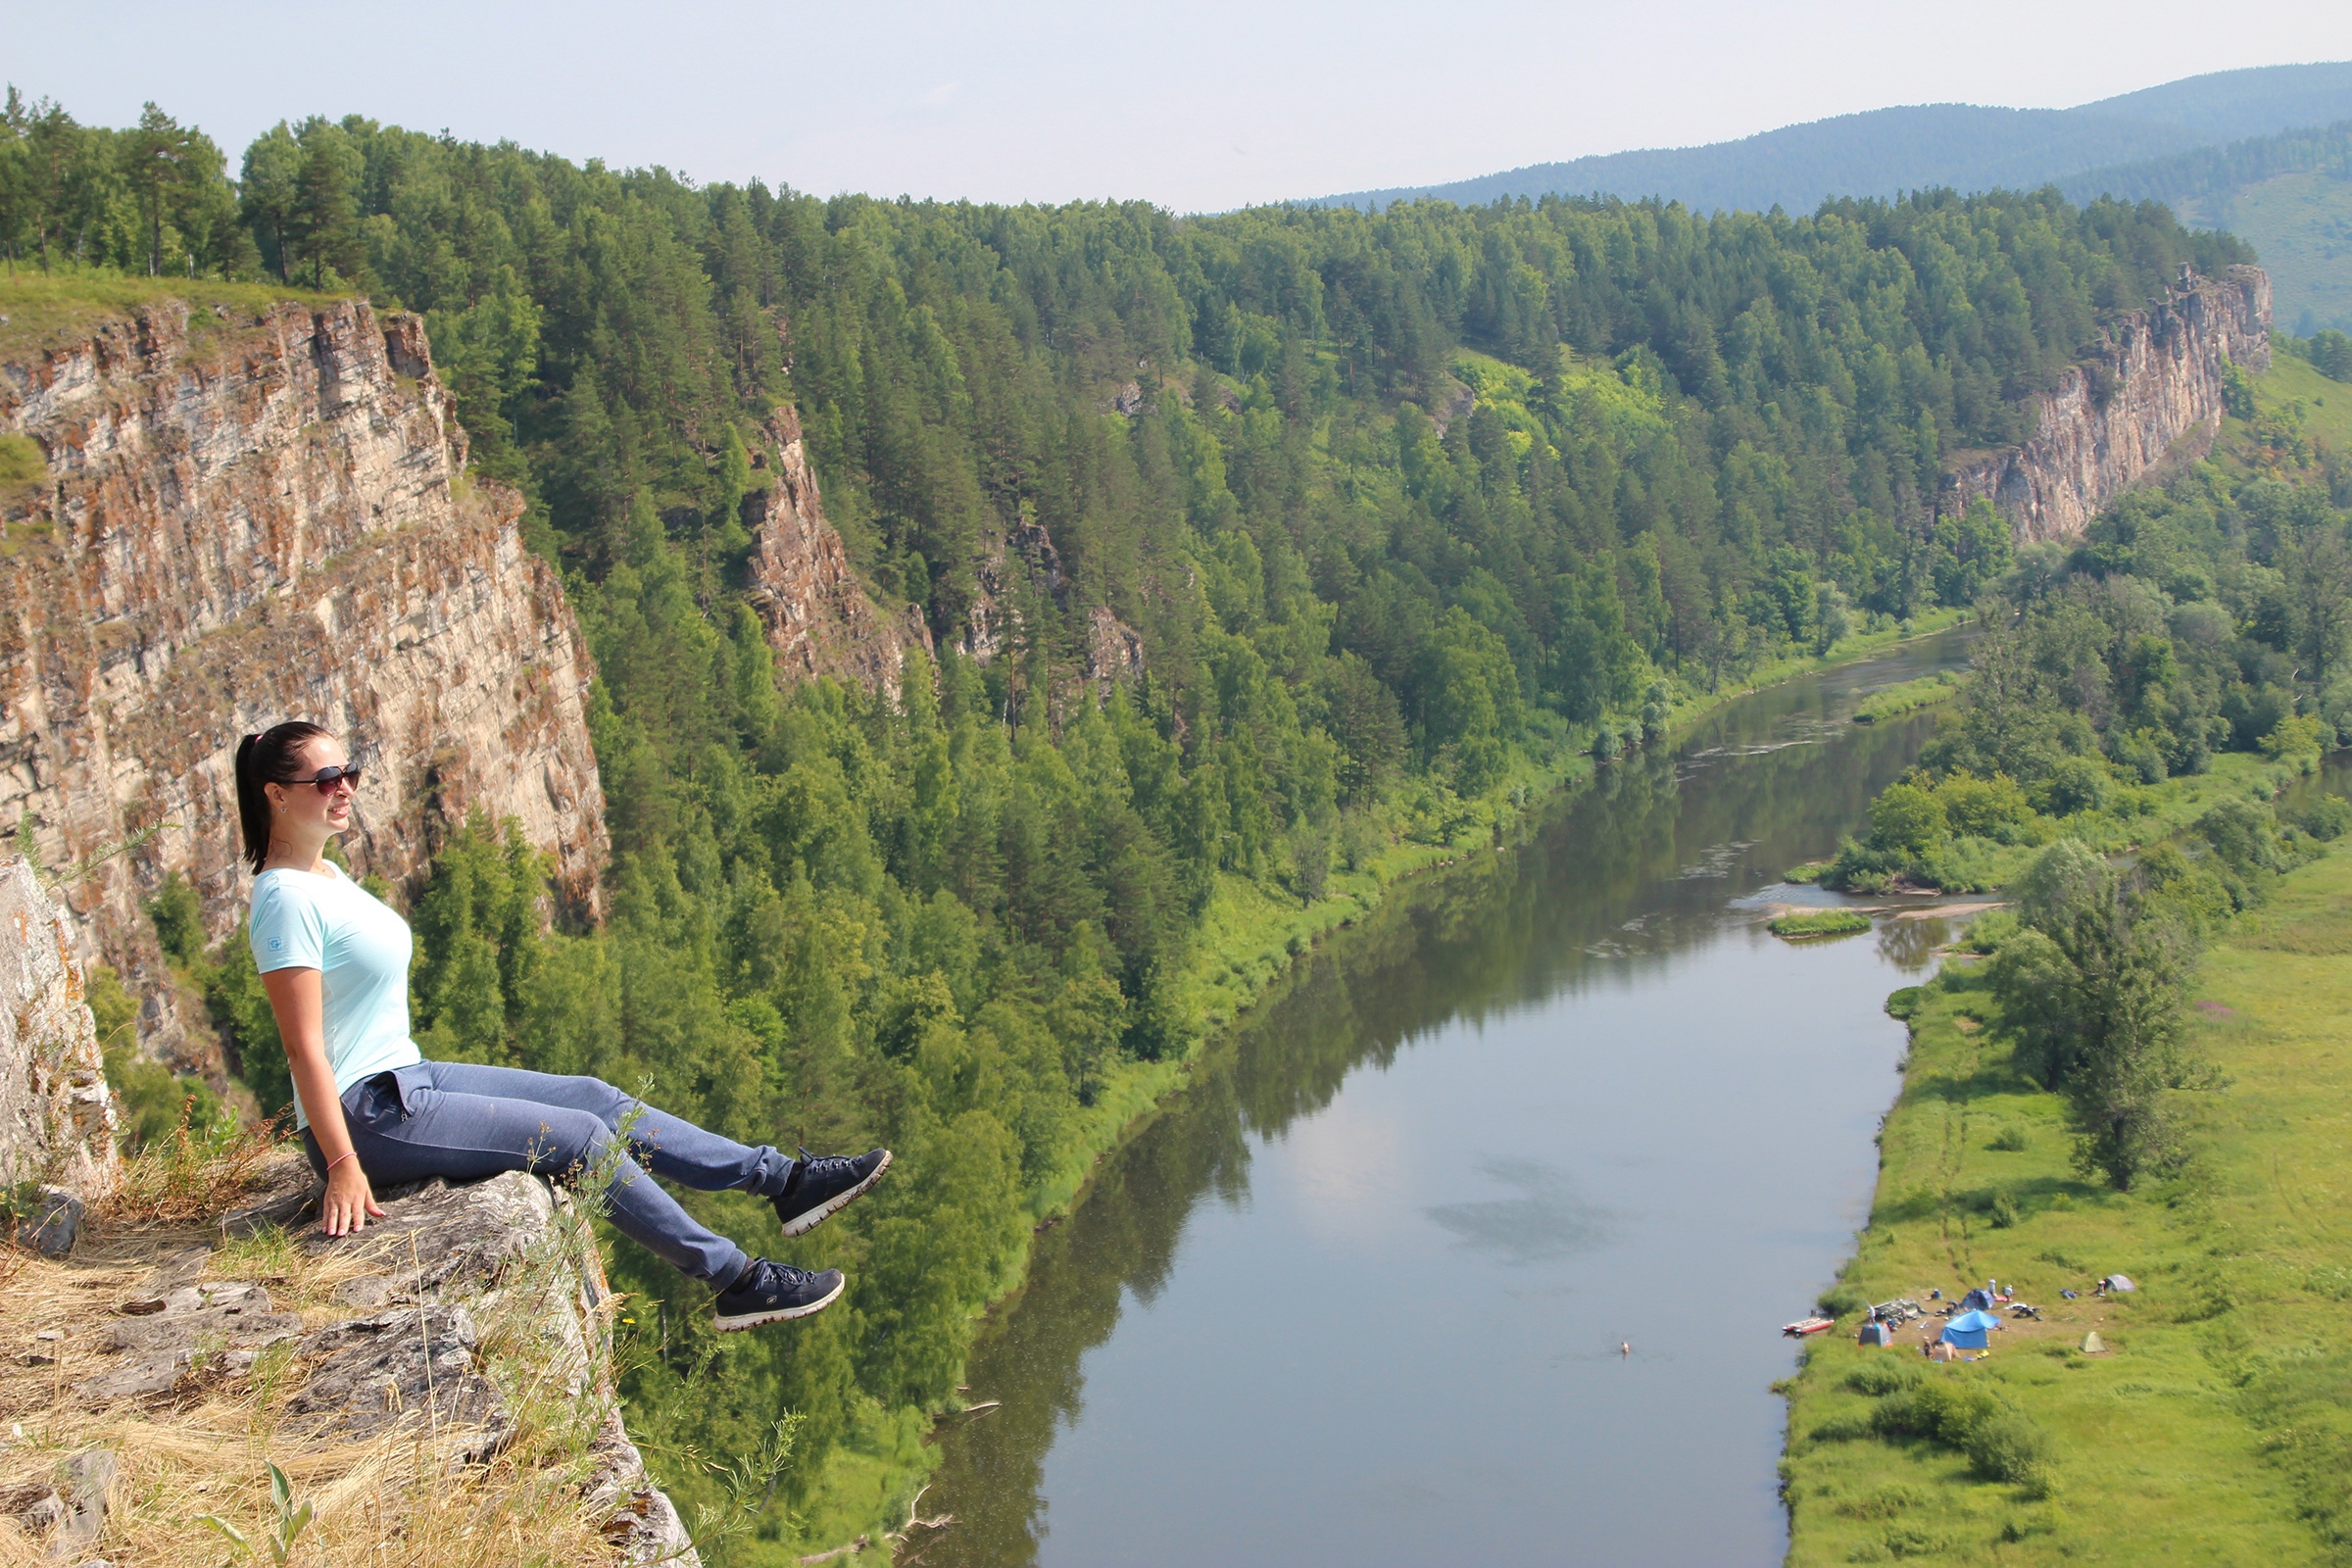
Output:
(1199, 106)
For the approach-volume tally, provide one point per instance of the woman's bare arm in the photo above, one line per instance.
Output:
(294, 996)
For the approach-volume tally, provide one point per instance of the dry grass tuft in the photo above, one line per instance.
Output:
(194, 1174)
(423, 1492)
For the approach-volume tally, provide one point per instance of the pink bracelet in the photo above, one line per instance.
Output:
(339, 1159)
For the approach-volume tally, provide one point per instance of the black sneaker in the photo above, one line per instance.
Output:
(823, 1185)
(769, 1292)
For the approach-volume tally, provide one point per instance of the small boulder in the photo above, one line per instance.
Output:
(51, 1223)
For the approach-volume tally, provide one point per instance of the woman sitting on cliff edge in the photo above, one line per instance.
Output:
(335, 962)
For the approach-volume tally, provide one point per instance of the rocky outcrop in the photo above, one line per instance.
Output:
(1022, 556)
(1115, 652)
(252, 516)
(820, 620)
(2114, 419)
(461, 1303)
(56, 1118)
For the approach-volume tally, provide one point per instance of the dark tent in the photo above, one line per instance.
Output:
(1976, 1301)
(1878, 1334)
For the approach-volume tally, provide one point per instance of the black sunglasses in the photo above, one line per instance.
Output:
(327, 778)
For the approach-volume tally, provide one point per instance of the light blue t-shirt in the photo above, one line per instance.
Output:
(306, 920)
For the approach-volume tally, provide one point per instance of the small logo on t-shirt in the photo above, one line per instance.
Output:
(276, 943)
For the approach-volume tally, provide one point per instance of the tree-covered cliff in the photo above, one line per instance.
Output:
(1399, 504)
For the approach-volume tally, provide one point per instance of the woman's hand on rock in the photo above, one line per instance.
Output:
(350, 1202)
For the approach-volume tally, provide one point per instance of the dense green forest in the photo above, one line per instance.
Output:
(1408, 504)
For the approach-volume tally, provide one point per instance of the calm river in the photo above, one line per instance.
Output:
(1359, 1296)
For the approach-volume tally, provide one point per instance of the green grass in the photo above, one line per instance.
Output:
(1819, 923)
(2326, 405)
(2218, 1429)
(45, 311)
(2301, 226)
(1908, 698)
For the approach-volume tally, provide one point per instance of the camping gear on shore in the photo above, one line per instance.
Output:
(1876, 1333)
(2114, 1283)
(2092, 1344)
(1902, 1309)
(1976, 1301)
(2021, 1309)
(1971, 1331)
(1808, 1325)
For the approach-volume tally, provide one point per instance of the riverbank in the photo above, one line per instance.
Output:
(2213, 1426)
(1252, 938)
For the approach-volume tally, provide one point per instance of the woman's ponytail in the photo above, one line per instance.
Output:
(261, 760)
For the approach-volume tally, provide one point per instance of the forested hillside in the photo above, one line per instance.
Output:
(2288, 195)
(1402, 506)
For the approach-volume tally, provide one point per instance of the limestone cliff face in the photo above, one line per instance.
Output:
(819, 618)
(2111, 420)
(57, 1119)
(253, 517)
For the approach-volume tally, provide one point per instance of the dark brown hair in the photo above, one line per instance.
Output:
(265, 759)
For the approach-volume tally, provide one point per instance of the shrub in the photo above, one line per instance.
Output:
(2008, 1447)
(1841, 1301)
(2010, 1140)
(1840, 1429)
(2242, 833)
(2327, 820)
(2297, 736)
(2074, 784)
(2003, 1211)
(1883, 1376)
(1990, 808)
(1907, 820)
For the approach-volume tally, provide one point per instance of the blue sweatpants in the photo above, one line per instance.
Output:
(461, 1122)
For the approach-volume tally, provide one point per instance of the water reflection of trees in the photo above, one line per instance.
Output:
(1500, 931)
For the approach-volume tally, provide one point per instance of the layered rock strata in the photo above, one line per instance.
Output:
(820, 619)
(2113, 419)
(57, 1117)
(252, 516)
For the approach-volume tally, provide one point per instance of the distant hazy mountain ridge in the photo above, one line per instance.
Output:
(1966, 146)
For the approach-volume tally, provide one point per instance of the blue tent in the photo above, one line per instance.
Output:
(1978, 1299)
(1970, 1330)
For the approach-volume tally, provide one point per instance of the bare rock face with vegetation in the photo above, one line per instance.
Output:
(2161, 373)
(57, 1119)
(248, 510)
(820, 620)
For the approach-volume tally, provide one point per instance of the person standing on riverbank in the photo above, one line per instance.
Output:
(334, 960)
